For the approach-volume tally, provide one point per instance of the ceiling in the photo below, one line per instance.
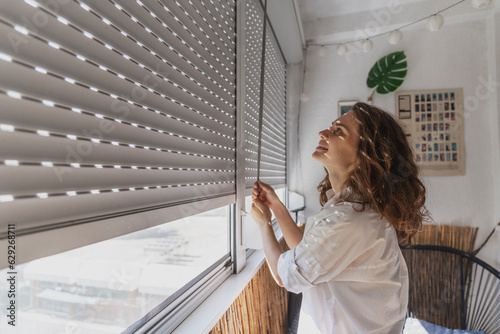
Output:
(311, 10)
(333, 21)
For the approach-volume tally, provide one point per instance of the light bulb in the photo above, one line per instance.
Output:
(322, 51)
(479, 4)
(341, 49)
(366, 45)
(435, 22)
(395, 36)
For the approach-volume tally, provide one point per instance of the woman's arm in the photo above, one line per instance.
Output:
(291, 232)
(272, 249)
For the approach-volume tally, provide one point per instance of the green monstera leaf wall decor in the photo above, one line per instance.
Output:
(388, 73)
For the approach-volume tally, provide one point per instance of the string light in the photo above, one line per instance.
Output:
(341, 49)
(480, 4)
(367, 45)
(395, 37)
(434, 22)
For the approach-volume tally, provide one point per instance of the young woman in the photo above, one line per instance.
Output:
(347, 262)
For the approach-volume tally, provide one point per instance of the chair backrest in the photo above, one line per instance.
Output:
(453, 289)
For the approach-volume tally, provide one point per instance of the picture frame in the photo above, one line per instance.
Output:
(345, 106)
(433, 121)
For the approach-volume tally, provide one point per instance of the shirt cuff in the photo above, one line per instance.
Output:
(288, 271)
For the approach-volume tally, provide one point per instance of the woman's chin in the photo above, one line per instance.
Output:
(318, 154)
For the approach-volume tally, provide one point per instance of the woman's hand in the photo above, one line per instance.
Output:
(265, 193)
(261, 213)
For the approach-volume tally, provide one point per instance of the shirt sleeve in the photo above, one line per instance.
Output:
(327, 248)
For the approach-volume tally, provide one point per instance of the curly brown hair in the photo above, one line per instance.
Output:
(386, 178)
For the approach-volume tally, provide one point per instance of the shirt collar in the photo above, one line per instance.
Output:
(330, 195)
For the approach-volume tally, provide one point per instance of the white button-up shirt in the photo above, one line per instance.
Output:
(350, 270)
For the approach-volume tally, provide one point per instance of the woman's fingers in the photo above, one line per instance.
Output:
(263, 191)
(255, 191)
(257, 204)
(264, 185)
(256, 187)
(261, 212)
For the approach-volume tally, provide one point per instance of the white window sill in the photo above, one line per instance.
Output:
(206, 316)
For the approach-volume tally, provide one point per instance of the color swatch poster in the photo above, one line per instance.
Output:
(433, 120)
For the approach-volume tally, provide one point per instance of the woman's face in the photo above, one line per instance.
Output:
(337, 148)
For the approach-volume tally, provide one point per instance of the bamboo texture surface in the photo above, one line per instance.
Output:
(261, 308)
(459, 237)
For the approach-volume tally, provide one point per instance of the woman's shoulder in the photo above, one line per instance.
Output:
(353, 214)
(345, 225)
(333, 210)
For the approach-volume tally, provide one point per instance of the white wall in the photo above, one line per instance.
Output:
(459, 55)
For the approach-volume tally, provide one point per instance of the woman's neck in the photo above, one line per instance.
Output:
(337, 182)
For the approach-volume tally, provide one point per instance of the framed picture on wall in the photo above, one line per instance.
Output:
(434, 123)
(345, 106)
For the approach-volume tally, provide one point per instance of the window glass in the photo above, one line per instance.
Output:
(105, 287)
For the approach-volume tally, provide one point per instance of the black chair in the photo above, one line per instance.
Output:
(453, 289)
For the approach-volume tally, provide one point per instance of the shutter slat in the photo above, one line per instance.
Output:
(266, 166)
(252, 136)
(53, 212)
(266, 154)
(128, 44)
(36, 116)
(209, 25)
(71, 96)
(276, 182)
(185, 25)
(271, 134)
(181, 39)
(273, 145)
(101, 104)
(224, 22)
(167, 62)
(27, 181)
(36, 148)
(272, 113)
(112, 108)
(226, 34)
(92, 76)
(267, 127)
(269, 116)
(265, 158)
(120, 19)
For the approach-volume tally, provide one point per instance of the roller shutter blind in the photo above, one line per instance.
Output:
(273, 142)
(114, 107)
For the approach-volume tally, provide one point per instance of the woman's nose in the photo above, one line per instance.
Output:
(322, 134)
